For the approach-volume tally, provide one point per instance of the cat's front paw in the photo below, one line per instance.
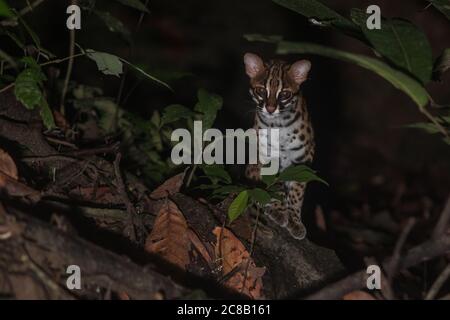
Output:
(296, 228)
(277, 213)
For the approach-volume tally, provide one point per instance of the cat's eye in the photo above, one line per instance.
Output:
(284, 95)
(261, 91)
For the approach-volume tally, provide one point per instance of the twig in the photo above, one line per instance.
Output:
(423, 252)
(63, 59)
(434, 290)
(252, 246)
(7, 87)
(443, 222)
(191, 175)
(122, 191)
(386, 288)
(125, 73)
(95, 151)
(393, 265)
(45, 64)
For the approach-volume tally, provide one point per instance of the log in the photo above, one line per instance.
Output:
(34, 260)
(293, 267)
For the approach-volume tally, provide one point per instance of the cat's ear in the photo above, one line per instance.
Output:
(253, 65)
(299, 71)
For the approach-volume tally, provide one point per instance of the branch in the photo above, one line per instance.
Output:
(428, 250)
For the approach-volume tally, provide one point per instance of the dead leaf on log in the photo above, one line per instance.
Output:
(200, 246)
(169, 187)
(7, 165)
(358, 295)
(235, 258)
(14, 188)
(169, 237)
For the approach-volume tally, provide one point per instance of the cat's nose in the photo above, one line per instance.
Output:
(271, 109)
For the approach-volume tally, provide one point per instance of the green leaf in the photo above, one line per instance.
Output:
(28, 87)
(270, 38)
(428, 127)
(114, 25)
(397, 78)
(300, 173)
(443, 6)
(47, 115)
(5, 11)
(260, 196)
(136, 4)
(226, 190)
(238, 206)
(400, 42)
(216, 171)
(29, 62)
(208, 104)
(175, 112)
(313, 9)
(269, 179)
(107, 63)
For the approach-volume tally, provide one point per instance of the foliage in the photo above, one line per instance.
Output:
(30, 81)
(28, 90)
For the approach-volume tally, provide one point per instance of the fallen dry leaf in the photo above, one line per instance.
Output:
(169, 187)
(14, 188)
(169, 237)
(358, 295)
(199, 246)
(233, 256)
(7, 165)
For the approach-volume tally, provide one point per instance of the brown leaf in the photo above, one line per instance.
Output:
(199, 246)
(60, 121)
(169, 237)
(169, 187)
(358, 295)
(14, 188)
(7, 165)
(123, 296)
(247, 278)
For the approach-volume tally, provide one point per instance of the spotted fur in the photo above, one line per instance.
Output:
(275, 89)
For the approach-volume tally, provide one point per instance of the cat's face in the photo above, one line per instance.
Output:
(274, 85)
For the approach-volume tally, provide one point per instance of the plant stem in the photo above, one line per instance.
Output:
(191, 175)
(62, 59)
(62, 108)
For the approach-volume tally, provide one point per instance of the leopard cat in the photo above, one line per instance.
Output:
(275, 87)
